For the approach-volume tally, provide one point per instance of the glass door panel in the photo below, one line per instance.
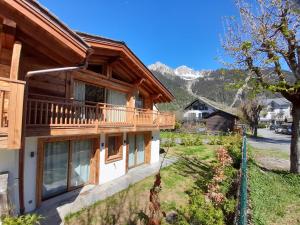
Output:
(140, 144)
(131, 155)
(80, 165)
(55, 173)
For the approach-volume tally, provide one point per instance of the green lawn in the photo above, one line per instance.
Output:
(177, 179)
(275, 196)
(274, 153)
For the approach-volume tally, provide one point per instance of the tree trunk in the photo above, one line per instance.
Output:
(295, 141)
(255, 131)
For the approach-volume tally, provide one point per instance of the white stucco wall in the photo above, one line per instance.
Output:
(113, 170)
(9, 162)
(30, 173)
(155, 145)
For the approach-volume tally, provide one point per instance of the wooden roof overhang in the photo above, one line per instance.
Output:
(41, 30)
(119, 55)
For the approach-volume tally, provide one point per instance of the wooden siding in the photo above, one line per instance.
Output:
(220, 121)
(11, 113)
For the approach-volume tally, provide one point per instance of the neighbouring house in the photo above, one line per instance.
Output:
(215, 116)
(198, 110)
(221, 121)
(75, 108)
(276, 110)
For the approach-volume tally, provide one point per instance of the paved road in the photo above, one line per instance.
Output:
(268, 139)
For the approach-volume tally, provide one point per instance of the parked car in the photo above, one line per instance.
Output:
(278, 130)
(273, 126)
(286, 129)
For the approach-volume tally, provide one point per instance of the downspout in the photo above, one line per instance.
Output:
(29, 75)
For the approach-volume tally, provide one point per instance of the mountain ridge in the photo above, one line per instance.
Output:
(182, 71)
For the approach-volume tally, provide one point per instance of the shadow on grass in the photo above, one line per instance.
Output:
(197, 168)
(124, 208)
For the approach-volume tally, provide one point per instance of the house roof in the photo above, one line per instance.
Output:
(44, 28)
(96, 41)
(217, 106)
(222, 111)
(278, 101)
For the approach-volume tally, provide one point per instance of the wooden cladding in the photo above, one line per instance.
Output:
(59, 113)
(113, 147)
(11, 111)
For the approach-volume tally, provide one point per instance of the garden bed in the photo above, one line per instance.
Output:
(184, 183)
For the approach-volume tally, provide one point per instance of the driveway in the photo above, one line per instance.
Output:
(268, 139)
(271, 149)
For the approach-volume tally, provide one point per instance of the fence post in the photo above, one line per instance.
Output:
(243, 186)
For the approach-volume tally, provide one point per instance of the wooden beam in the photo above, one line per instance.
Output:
(155, 97)
(139, 82)
(15, 61)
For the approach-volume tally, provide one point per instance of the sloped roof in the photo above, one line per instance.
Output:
(278, 101)
(217, 106)
(91, 39)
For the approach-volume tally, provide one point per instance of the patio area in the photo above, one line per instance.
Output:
(55, 209)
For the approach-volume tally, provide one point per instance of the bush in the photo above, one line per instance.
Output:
(29, 219)
(199, 211)
(233, 144)
(191, 140)
(216, 140)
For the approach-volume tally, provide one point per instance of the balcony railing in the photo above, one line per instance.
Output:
(62, 113)
(11, 111)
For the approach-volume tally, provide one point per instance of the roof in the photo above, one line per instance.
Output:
(217, 106)
(278, 101)
(222, 111)
(91, 38)
(49, 15)
(77, 43)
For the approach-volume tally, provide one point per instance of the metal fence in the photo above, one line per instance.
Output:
(243, 185)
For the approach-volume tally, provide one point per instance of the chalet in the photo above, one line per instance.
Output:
(216, 117)
(199, 109)
(75, 108)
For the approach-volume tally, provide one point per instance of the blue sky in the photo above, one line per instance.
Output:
(175, 32)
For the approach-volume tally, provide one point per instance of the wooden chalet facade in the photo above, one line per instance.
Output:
(75, 108)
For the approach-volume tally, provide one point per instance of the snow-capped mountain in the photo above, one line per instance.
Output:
(183, 72)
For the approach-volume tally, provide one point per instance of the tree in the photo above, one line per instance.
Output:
(250, 113)
(265, 41)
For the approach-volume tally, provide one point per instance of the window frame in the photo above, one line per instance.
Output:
(118, 142)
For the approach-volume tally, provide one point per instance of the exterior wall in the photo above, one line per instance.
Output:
(107, 172)
(220, 122)
(9, 161)
(113, 170)
(155, 146)
(30, 165)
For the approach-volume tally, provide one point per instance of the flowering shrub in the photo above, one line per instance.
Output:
(213, 203)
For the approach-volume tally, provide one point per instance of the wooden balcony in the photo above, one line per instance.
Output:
(11, 111)
(66, 117)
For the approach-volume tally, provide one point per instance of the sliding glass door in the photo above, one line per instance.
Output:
(66, 166)
(136, 150)
(80, 166)
(55, 173)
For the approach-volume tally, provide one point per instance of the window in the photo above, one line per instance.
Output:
(114, 148)
(139, 102)
(94, 93)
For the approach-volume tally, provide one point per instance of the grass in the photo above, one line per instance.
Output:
(275, 196)
(177, 179)
(273, 153)
(168, 134)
